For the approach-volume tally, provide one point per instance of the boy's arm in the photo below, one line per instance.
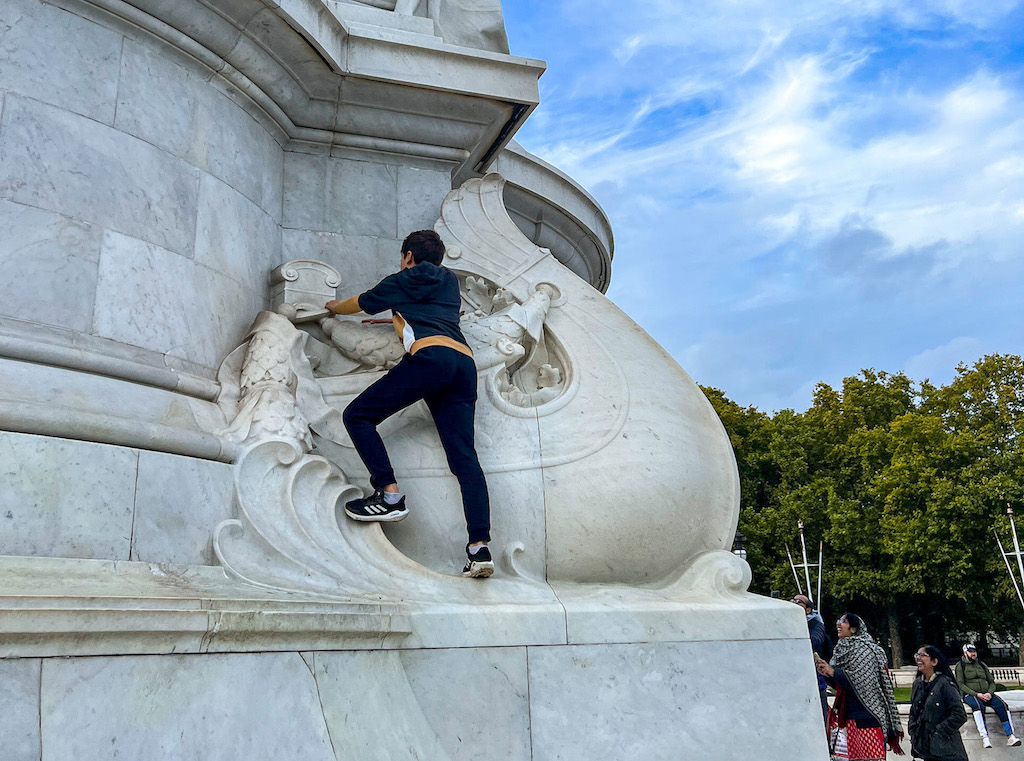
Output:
(348, 306)
(375, 300)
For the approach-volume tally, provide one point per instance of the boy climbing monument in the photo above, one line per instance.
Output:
(438, 367)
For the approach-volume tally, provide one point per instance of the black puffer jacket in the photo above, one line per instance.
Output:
(936, 714)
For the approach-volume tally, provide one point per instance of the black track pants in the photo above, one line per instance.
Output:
(446, 380)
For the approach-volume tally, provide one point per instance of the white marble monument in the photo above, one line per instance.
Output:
(183, 183)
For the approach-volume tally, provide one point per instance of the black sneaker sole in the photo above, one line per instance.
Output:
(392, 516)
(479, 569)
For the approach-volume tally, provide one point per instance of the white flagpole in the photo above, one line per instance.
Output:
(1009, 569)
(821, 550)
(792, 566)
(1016, 543)
(807, 568)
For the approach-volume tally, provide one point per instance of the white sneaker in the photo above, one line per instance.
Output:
(1012, 741)
(985, 742)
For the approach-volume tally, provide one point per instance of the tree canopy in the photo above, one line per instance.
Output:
(904, 483)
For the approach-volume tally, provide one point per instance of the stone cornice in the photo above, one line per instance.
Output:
(563, 216)
(324, 75)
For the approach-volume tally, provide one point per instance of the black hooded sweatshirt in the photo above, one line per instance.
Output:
(424, 300)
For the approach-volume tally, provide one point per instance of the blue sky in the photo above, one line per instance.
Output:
(798, 189)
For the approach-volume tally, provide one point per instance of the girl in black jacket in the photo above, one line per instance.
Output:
(936, 711)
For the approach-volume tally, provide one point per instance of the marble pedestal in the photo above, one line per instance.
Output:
(173, 663)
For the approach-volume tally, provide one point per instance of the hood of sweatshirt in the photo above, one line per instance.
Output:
(425, 281)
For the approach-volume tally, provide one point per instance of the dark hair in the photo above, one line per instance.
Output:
(941, 665)
(853, 620)
(426, 246)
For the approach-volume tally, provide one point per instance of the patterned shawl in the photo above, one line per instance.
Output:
(864, 664)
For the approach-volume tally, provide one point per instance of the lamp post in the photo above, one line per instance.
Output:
(739, 548)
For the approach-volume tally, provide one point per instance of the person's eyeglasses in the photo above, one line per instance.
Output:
(800, 603)
(920, 656)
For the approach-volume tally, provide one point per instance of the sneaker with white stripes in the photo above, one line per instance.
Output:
(1012, 741)
(375, 509)
(478, 564)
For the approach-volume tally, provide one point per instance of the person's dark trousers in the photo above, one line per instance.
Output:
(996, 704)
(446, 380)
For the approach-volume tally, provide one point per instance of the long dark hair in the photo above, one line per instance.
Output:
(941, 665)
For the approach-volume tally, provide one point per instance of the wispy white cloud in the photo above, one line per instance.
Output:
(806, 188)
(951, 179)
(769, 44)
(938, 364)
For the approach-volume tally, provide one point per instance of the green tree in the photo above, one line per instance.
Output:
(855, 426)
(983, 412)
(750, 432)
(904, 483)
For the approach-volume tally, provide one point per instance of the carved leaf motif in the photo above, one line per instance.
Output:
(502, 298)
(478, 293)
(548, 376)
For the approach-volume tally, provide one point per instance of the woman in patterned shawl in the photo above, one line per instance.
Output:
(863, 719)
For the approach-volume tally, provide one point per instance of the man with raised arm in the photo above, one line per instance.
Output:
(438, 367)
(821, 644)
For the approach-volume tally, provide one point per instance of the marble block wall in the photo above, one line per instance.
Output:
(659, 701)
(353, 213)
(139, 199)
(77, 499)
(144, 199)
